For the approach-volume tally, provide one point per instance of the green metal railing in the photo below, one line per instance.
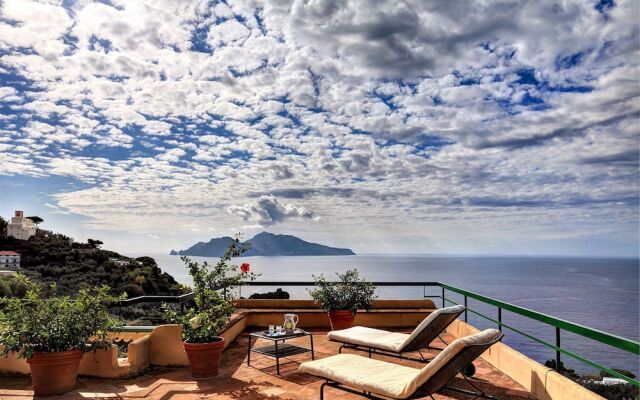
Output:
(558, 324)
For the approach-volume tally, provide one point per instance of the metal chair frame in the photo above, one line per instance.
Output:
(420, 342)
(439, 380)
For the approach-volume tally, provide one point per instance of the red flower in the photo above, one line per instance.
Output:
(245, 267)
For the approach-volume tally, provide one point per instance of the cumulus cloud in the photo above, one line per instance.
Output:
(268, 210)
(405, 118)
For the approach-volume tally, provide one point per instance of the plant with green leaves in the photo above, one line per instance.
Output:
(349, 292)
(214, 288)
(42, 322)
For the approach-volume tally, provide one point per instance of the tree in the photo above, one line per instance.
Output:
(36, 220)
(3, 227)
(94, 243)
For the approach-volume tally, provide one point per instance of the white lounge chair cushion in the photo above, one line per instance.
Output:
(391, 341)
(370, 337)
(387, 379)
(364, 374)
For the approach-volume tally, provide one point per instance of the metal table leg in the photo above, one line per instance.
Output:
(249, 352)
(312, 355)
(277, 359)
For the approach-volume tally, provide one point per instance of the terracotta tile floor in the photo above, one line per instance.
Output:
(238, 381)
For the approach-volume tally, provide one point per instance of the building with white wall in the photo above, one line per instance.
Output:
(20, 227)
(9, 259)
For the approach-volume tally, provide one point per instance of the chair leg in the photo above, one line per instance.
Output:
(479, 393)
(423, 358)
(322, 390)
(443, 341)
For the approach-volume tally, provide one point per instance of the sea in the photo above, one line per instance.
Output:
(600, 293)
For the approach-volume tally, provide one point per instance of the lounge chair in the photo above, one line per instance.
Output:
(377, 341)
(371, 378)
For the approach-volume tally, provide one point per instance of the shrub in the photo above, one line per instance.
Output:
(621, 391)
(133, 290)
(12, 287)
(350, 292)
(213, 287)
(44, 323)
(278, 294)
(624, 372)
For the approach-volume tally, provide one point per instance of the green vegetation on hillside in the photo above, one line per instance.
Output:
(55, 258)
(622, 391)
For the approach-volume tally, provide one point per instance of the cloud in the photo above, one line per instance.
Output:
(268, 210)
(395, 119)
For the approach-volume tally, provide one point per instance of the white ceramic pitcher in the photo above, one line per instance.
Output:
(290, 322)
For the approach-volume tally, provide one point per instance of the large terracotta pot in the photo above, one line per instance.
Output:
(341, 319)
(204, 357)
(54, 373)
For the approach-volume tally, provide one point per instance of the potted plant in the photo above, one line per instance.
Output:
(211, 309)
(53, 332)
(343, 298)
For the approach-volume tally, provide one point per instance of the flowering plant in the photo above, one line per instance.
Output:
(214, 290)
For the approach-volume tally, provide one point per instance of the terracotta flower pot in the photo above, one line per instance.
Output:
(204, 357)
(341, 319)
(54, 373)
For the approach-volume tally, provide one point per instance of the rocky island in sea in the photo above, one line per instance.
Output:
(265, 244)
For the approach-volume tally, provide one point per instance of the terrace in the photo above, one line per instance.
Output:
(155, 364)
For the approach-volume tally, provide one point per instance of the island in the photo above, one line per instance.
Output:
(264, 244)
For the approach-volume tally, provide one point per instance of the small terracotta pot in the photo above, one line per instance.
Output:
(204, 357)
(341, 319)
(54, 373)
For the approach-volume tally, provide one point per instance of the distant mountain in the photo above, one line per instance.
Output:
(265, 244)
(213, 248)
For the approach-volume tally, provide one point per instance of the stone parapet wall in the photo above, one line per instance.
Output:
(163, 346)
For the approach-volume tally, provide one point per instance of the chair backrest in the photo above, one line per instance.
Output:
(431, 327)
(453, 359)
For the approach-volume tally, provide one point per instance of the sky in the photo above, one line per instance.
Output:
(443, 127)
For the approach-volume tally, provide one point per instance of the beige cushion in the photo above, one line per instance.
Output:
(364, 373)
(380, 339)
(448, 353)
(430, 318)
(370, 337)
(385, 378)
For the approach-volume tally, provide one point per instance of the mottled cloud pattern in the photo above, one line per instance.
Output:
(466, 126)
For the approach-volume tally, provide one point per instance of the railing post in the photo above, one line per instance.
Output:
(500, 319)
(465, 308)
(443, 302)
(557, 351)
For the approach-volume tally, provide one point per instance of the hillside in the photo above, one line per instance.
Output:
(50, 257)
(265, 244)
